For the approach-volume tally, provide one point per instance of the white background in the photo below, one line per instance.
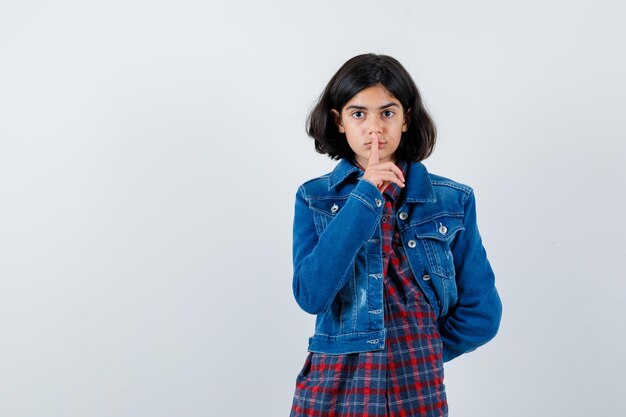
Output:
(149, 156)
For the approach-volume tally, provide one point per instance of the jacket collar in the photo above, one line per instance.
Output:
(419, 191)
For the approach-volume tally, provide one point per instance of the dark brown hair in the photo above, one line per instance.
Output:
(356, 74)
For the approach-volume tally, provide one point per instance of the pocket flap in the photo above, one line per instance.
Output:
(440, 228)
(329, 206)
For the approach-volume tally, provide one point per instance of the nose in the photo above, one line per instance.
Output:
(374, 127)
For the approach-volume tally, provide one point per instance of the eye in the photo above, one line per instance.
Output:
(388, 113)
(358, 114)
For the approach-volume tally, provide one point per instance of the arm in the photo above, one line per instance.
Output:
(322, 264)
(475, 319)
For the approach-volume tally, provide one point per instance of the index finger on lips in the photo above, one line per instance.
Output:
(374, 150)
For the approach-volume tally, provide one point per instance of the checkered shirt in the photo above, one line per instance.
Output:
(403, 379)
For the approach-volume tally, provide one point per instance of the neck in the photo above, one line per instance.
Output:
(357, 164)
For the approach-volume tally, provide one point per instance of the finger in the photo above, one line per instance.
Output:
(388, 171)
(374, 150)
(384, 186)
(387, 176)
(396, 181)
(390, 166)
(400, 183)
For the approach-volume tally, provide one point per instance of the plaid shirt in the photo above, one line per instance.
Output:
(406, 377)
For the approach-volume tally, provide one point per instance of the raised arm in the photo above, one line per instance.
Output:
(321, 263)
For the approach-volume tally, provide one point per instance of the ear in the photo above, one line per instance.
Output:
(407, 120)
(335, 114)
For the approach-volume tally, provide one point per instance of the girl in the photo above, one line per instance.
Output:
(387, 255)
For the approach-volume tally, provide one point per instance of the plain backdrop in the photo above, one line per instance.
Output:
(150, 152)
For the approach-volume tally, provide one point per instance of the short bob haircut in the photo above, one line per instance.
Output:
(358, 73)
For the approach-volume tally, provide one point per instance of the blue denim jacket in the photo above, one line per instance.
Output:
(338, 265)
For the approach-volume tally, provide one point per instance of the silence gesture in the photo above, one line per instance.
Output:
(381, 174)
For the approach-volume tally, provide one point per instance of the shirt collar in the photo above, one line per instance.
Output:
(419, 187)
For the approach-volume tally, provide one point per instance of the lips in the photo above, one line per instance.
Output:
(380, 144)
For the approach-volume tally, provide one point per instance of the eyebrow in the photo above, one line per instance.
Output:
(357, 107)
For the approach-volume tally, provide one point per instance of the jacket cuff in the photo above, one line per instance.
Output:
(369, 194)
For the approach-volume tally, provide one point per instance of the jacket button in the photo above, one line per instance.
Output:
(403, 215)
(442, 229)
(334, 208)
(426, 277)
(411, 243)
(378, 202)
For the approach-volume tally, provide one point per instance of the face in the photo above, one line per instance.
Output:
(372, 110)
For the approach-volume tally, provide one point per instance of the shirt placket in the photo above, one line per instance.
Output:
(387, 225)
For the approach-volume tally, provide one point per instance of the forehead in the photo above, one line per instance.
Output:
(373, 96)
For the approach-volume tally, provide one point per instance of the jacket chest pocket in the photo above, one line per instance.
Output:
(436, 235)
(324, 211)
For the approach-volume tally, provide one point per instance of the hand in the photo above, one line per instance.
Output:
(381, 175)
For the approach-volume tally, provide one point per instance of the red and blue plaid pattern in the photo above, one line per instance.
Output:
(406, 377)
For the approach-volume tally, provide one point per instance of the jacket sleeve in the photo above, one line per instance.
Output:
(323, 264)
(475, 319)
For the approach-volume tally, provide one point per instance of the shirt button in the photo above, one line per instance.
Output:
(378, 202)
(426, 277)
(442, 229)
(403, 215)
(411, 243)
(384, 220)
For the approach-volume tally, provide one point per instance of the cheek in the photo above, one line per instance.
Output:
(351, 125)
(353, 132)
(352, 140)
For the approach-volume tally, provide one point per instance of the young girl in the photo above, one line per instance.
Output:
(387, 255)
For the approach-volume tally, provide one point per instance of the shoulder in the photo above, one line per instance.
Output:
(441, 181)
(447, 189)
(320, 180)
(338, 182)
(314, 186)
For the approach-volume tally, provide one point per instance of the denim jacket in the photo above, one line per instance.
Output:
(338, 265)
